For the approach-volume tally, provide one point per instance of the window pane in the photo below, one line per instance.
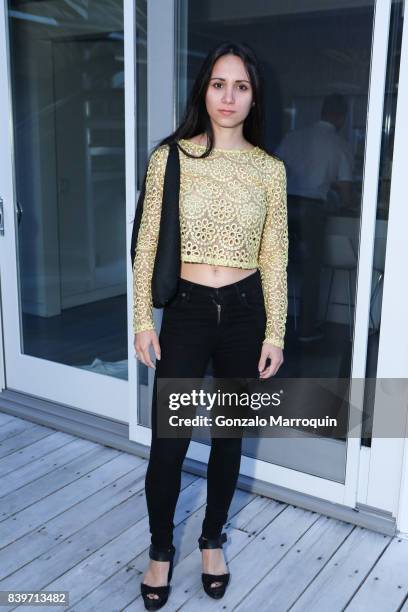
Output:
(316, 64)
(67, 64)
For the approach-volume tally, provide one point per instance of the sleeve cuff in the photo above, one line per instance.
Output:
(143, 327)
(275, 341)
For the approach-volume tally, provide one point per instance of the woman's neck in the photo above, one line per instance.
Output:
(201, 139)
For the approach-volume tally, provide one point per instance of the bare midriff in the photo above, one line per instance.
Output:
(213, 276)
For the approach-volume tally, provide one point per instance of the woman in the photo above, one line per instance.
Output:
(231, 301)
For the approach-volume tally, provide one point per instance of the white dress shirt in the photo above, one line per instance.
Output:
(314, 157)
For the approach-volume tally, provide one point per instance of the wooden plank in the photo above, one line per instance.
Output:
(70, 537)
(92, 475)
(83, 527)
(342, 575)
(123, 588)
(53, 538)
(44, 465)
(120, 551)
(188, 570)
(128, 588)
(386, 586)
(258, 513)
(245, 519)
(88, 550)
(33, 453)
(30, 493)
(14, 427)
(114, 593)
(405, 606)
(187, 574)
(255, 560)
(304, 560)
(26, 438)
(136, 607)
(5, 418)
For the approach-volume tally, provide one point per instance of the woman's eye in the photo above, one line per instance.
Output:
(242, 87)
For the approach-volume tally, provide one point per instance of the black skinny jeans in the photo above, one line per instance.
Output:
(203, 323)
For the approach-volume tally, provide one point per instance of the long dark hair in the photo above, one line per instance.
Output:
(196, 119)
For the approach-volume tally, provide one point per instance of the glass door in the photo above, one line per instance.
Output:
(325, 72)
(64, 248)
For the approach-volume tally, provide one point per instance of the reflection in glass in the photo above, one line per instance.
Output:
(383, 200)
(141, 88)
(67, 69)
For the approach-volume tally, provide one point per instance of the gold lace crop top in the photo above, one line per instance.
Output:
(233, 212)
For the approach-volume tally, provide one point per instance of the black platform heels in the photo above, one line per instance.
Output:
(158, 554)
(216, 592)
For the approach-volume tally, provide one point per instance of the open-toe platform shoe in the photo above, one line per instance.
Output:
(162, 592)
(216, 592)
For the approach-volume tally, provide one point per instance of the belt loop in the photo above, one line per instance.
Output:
(190, 288)
(241, 293)
(237, 290)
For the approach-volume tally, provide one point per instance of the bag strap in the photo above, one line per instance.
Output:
(171, 186)
(171, 192)
(137, 219)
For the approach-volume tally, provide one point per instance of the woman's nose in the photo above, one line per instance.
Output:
(228, 96)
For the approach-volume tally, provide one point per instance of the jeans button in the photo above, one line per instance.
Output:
(183, 294)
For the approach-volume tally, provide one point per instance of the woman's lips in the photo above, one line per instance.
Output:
(225, 112)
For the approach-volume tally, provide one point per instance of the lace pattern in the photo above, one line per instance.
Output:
(233, 212)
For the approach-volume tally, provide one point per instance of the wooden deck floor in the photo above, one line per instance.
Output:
(74, 518)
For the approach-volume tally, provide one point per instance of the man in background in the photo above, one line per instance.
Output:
(317, 159)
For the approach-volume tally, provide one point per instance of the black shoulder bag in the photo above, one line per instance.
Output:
(167, 262)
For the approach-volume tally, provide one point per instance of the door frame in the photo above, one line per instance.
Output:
(161, 88)
(387, 482)
(102, 395)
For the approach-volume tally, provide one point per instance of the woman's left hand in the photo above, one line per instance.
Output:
(275, 354)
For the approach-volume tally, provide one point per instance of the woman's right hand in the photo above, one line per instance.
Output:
(142, 342)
